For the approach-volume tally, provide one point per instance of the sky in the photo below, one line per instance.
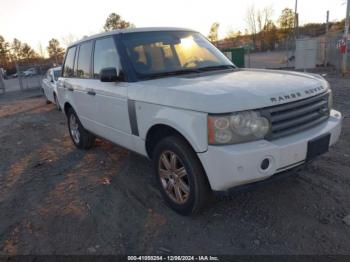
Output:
(37, 21)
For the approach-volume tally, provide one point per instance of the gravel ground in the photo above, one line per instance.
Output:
(55, 199)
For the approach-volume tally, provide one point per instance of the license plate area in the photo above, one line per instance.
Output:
(317, 146)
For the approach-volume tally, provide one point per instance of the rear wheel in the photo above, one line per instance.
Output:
(181, 177)
(47, 101)
(81, 138)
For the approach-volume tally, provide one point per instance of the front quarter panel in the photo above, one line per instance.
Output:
(191, 124)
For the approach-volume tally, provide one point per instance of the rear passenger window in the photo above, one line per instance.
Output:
(68, 70)
(105, 55)
(84, 60)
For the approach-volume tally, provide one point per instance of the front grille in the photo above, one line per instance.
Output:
(296, 116)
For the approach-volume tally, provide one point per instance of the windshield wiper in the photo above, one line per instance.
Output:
(218, 67)
(172, 73)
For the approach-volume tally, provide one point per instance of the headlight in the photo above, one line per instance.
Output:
(237, 127)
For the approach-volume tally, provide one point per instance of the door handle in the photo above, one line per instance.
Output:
(91, 92)
(70, 89)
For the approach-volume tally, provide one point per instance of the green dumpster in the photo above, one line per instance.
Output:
(236, 55)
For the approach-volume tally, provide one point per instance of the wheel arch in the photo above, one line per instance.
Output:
(161, 130)
(67, 106)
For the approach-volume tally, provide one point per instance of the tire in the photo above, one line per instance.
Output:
(194, 182)
(56, 102)
(46, 100)
(81, 138)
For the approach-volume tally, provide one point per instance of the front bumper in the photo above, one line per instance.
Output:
(234, 165)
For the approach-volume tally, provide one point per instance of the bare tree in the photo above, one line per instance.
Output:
(69, 39)
(264, 17)
(251, 18)
(257, 20)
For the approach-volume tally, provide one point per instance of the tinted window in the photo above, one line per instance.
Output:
(68, 70)
(84, 59)
(105, 55)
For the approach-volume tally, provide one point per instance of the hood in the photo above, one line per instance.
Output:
(224, 92)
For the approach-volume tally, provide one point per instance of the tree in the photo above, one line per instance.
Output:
(257, 20)
(286, 20)
(55, 51)
(263, 17)
(27, 53)
(251, 23)
(16, 49)
(22, 51)
(214, 32)
(69, 39)
(114, 21)
(270, 35)
(233, 34)
(4, 52)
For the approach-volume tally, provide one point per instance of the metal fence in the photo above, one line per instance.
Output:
(283, 54)
(25, 76)
(30, 76)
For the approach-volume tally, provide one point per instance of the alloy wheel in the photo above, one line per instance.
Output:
(174, 177)
(74, 128)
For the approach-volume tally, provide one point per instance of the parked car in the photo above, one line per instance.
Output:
(49, 85)
(208, 126)
(3, 73)
(30, 72)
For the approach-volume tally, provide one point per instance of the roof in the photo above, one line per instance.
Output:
(130, 30)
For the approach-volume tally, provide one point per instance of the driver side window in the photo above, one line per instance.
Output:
(105, 55)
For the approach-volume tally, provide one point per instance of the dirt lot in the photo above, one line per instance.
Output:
(55, 199)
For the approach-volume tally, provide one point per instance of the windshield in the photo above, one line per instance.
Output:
(56, 74)
(159, 53)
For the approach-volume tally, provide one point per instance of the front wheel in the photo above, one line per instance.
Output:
(81, 138)
(182, 180)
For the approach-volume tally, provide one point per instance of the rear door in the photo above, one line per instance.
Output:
(84, 100)
(64, 86)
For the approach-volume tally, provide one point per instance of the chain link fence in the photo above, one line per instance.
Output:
(25, 76)
(30, 76)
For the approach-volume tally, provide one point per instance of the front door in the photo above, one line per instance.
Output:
(110, 98)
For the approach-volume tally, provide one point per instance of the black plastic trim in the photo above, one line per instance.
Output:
(132, 117)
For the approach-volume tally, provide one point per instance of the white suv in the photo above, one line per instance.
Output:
(170, 95)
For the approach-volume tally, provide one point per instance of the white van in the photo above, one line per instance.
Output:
(208, 126)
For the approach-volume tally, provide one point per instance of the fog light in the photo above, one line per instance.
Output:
(265, 164)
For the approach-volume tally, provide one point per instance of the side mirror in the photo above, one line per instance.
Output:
(108, 74)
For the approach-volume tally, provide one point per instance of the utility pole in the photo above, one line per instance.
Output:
(346, 36)
(296, 20)
(326, 40)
